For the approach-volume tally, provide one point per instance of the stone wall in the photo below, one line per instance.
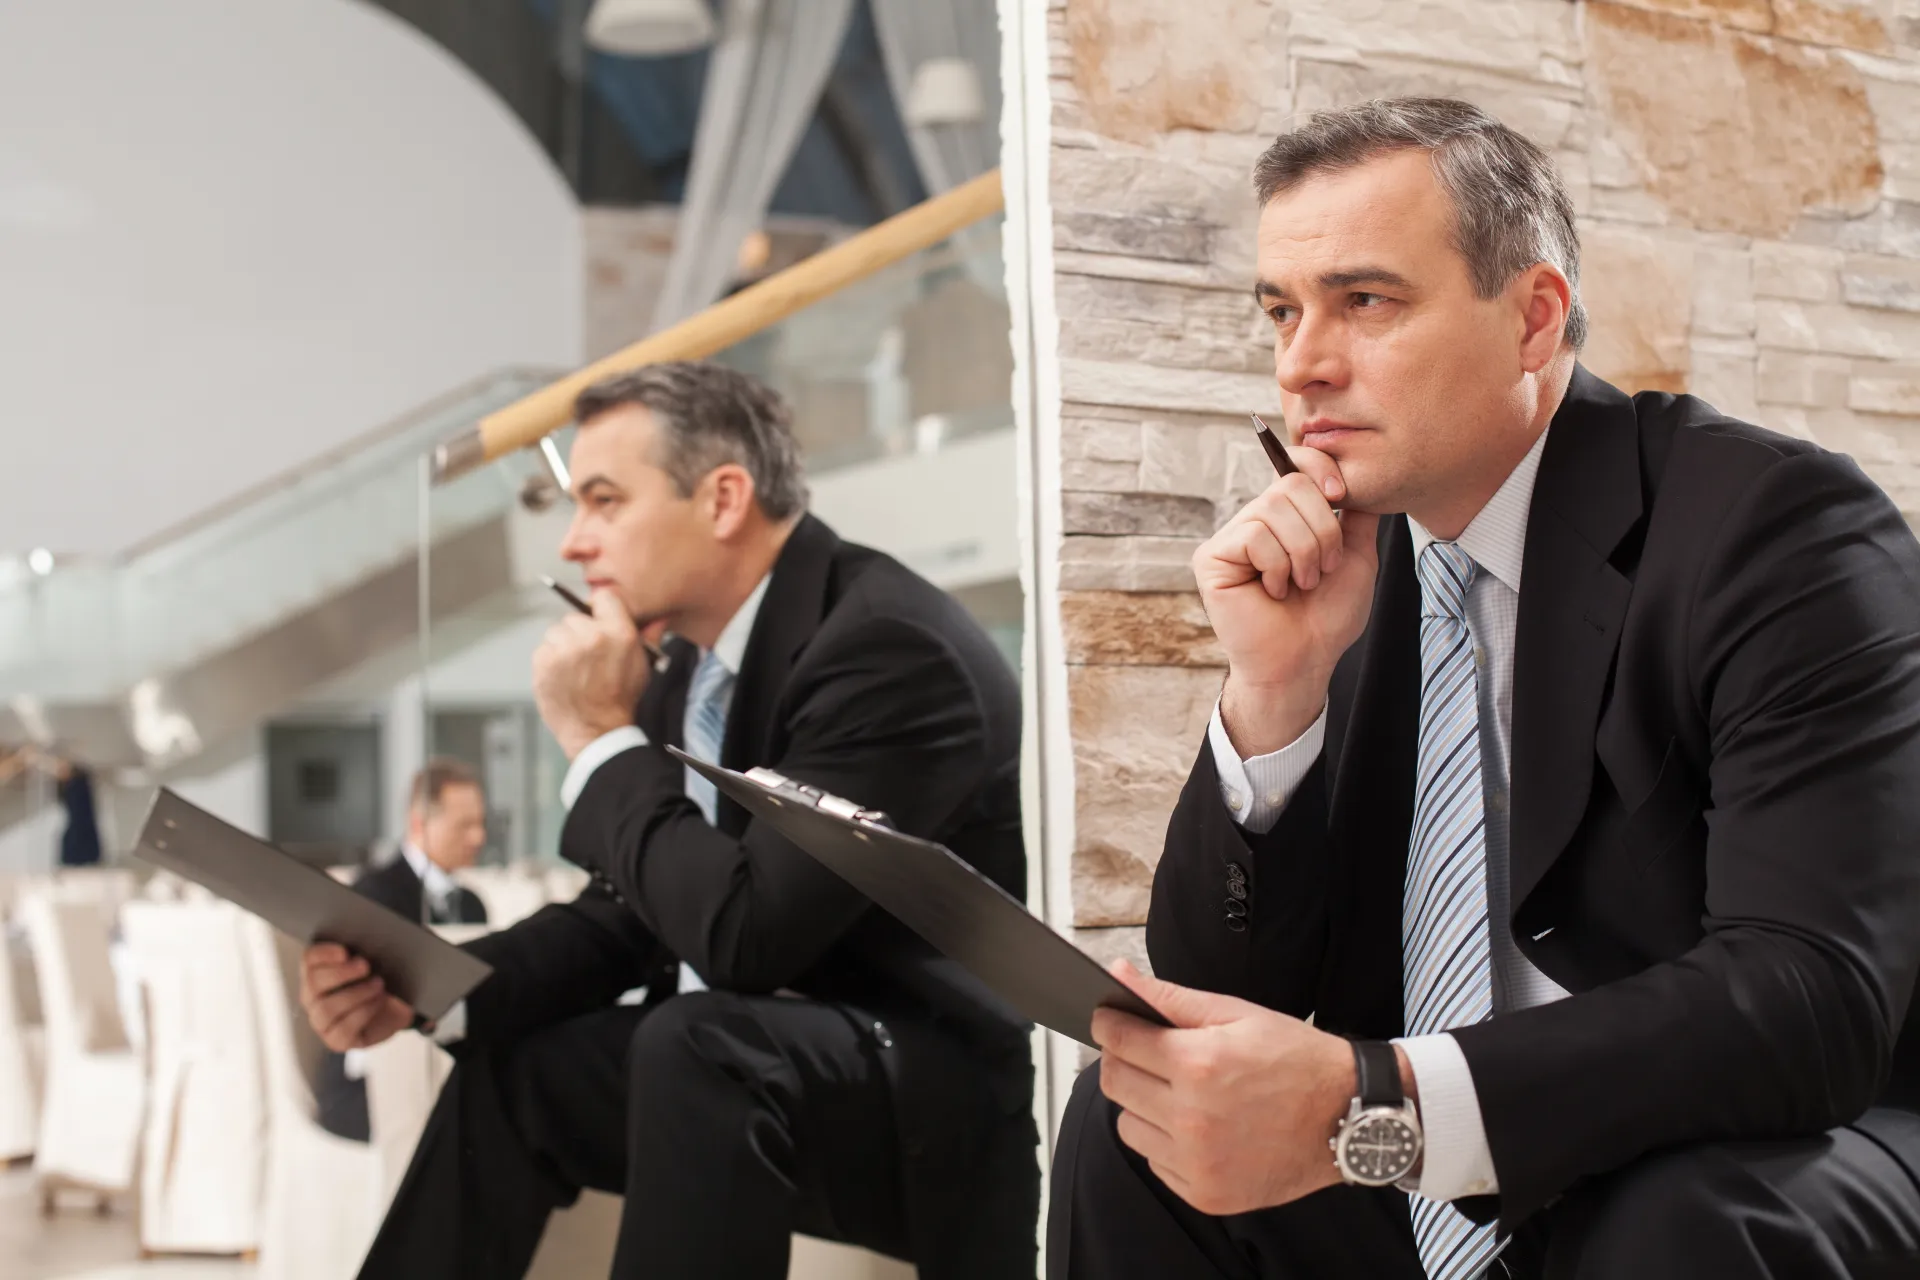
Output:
(1748, 178)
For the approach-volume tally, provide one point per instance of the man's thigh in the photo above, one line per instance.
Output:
(564, 1088)
(1845, 1204)
(815, 1072)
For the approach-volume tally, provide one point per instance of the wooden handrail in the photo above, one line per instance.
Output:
(726, 322)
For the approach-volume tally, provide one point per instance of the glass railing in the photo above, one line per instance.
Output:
(91, 630)
(908, 360)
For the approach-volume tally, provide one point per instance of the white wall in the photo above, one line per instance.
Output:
(235, 233)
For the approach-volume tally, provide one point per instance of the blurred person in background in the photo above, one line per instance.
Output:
(446, 829)
(801, 1062)
(80, 844)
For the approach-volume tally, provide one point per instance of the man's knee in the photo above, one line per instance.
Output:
(690, 1032)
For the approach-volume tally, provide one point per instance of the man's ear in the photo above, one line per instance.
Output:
(1546, 300)
(731, 498)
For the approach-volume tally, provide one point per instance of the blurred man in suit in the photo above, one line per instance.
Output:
(802, 1062)
(446, 829)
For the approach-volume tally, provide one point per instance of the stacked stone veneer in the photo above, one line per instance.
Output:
(1748, 178)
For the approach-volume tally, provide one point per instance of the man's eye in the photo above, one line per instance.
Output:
(1281, 315)
(1368, 299)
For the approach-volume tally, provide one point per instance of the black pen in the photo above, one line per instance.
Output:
(659, 658)
(1276, 452)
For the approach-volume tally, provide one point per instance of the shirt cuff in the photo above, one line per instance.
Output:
(1257, 789)
(452, 1027)
(598, 752)
(1458, 1162)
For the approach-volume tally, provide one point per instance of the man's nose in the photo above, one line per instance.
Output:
(577, 547)
(1314, 356)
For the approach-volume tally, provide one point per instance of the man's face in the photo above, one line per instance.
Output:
(632, 532)
(452, 832)
(1386, 359)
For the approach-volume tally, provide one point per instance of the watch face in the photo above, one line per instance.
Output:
(1378, 1148)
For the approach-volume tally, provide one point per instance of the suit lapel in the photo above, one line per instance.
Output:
(1585, 500)
(790, 614)
(1373, 729)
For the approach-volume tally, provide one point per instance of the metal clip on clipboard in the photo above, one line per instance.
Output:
(814, 797)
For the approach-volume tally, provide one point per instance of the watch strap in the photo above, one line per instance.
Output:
(1377, 1074)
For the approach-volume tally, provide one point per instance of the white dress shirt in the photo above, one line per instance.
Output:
(730, 647)
(1458, 1162)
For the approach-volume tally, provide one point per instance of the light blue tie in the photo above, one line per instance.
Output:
(1444, 941)
(708, 695)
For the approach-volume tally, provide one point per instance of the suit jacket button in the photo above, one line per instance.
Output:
(1235, 871)
(1236, 924)
(1236, 908)
(1236, 888)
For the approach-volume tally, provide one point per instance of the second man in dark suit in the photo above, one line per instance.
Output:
(446, 829)
(801, 1061)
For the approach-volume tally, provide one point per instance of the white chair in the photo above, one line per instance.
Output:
(203, 1157)
(95, 1089)
(322, 1201)
(19, 1090)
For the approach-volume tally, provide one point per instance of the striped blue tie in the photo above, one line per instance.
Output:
(1444, 941)
(708, 695)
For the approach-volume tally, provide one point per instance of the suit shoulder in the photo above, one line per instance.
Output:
(1694, 452)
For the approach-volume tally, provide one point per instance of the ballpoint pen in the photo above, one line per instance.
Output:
(659, 659)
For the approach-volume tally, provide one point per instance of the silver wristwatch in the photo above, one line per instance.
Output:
(1379, 1143)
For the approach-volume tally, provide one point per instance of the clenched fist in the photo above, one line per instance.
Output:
(589, 673)
(1287, 585)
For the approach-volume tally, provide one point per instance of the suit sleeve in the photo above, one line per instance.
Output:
(564, 960)
(884, 714)
(1805, 659)
(1190, 938)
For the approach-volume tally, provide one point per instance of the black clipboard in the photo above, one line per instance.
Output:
(307, 904)
(960, 912)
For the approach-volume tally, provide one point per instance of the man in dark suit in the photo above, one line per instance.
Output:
(801, 1061)
(446, 829)
(1574, 801)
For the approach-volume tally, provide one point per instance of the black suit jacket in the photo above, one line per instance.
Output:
(863, 679)
(1715, 790)
(394, 886)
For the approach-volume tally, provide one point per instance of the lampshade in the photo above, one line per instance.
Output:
(944, 91)
(649, 28)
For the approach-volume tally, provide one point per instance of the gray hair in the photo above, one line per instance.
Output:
(710, 415)
(1510, 208)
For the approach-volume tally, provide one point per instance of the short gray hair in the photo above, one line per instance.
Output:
(1510, 208)
(710, 415)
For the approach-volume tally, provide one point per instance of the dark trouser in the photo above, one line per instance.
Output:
(728, 1122)
(1844, 1205)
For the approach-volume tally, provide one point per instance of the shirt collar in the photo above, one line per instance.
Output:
(1497, 537)
(433, 877)
(731, 647)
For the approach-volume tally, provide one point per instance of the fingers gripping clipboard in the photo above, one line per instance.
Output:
(306, 903)
(959, 912)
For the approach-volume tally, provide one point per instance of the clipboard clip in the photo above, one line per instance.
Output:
(814, 798)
